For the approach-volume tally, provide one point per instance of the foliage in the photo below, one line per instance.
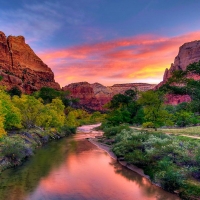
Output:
(10, 114)
(68, 130)
(30, 108)
(194, 68)
(2, 130)
(153, 108)
(51, 115)
(15, 148)
(119, 100)
(15, 91)
(35, 113)
(124, 109)
(115, 130)
(169, 160)
(48, 94)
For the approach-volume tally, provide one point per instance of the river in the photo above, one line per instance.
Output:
(73, 168)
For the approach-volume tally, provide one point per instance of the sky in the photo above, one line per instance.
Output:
(105, 41)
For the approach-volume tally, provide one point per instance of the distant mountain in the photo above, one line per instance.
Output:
(21, 67)
(94, 96)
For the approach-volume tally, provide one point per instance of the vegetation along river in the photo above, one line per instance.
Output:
(73, 168)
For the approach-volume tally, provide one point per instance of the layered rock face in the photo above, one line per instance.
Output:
(94, 96)
(21, 67)
(188, 54)
(175, 99)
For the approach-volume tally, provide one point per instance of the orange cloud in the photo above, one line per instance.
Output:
(140, 58)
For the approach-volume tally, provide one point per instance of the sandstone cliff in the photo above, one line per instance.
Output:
(21, 67)
(188, 54)
(94, 96)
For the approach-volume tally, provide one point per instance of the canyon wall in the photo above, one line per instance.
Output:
(21, 67)
(94, 96)
(188, 54)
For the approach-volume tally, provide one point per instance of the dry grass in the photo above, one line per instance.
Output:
(193, 131)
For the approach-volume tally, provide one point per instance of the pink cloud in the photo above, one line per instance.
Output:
(133, 59)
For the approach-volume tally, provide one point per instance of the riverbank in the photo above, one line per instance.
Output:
(170, 162)
(22, 144)
(107, 149)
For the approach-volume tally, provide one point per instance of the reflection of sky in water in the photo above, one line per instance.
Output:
(87, 172)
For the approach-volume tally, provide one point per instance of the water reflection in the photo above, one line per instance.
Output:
(75, 169)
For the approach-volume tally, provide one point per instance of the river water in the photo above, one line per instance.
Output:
(75, 169)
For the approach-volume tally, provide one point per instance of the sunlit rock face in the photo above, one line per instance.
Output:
(175, 99)
(21, 67)
(188, 54)
(94, 96)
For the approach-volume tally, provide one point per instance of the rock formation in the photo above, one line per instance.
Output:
(21, 67)
(94, 96)
(188, 53)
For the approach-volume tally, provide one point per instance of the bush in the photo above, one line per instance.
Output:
(148, 125)
(68, 130)
(15, 91)
(15, 148)
(137, 157)
(190, 191)
(112, 131)
(171, 179)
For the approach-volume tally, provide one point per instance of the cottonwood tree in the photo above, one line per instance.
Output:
(154, 111)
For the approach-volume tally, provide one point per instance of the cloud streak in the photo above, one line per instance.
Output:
(135, 59)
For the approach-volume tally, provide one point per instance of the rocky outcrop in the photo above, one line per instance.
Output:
(94, 96)
(175, 99)
(21, 67)
(188, 53)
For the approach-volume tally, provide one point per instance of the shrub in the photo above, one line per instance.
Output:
(15, 148)
(148, 125)
(169, 176)
(68, 130)
(112, 131)
(15, 91)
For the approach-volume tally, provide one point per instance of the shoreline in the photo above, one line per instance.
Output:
(32, 140)
(107, 149)
(133, 168)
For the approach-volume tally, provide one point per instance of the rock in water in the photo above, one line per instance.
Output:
(21, 67)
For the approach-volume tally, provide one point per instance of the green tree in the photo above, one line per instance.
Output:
(30, 108)
(131, 93)
(52, 115)
(119, 100)
(153, 108)
(15, 91)
(10, 113)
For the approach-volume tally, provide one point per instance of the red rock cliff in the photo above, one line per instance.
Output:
(94, 96)
(21, 67)
(188, 54)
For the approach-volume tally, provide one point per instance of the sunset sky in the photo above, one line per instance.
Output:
(105, 41)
